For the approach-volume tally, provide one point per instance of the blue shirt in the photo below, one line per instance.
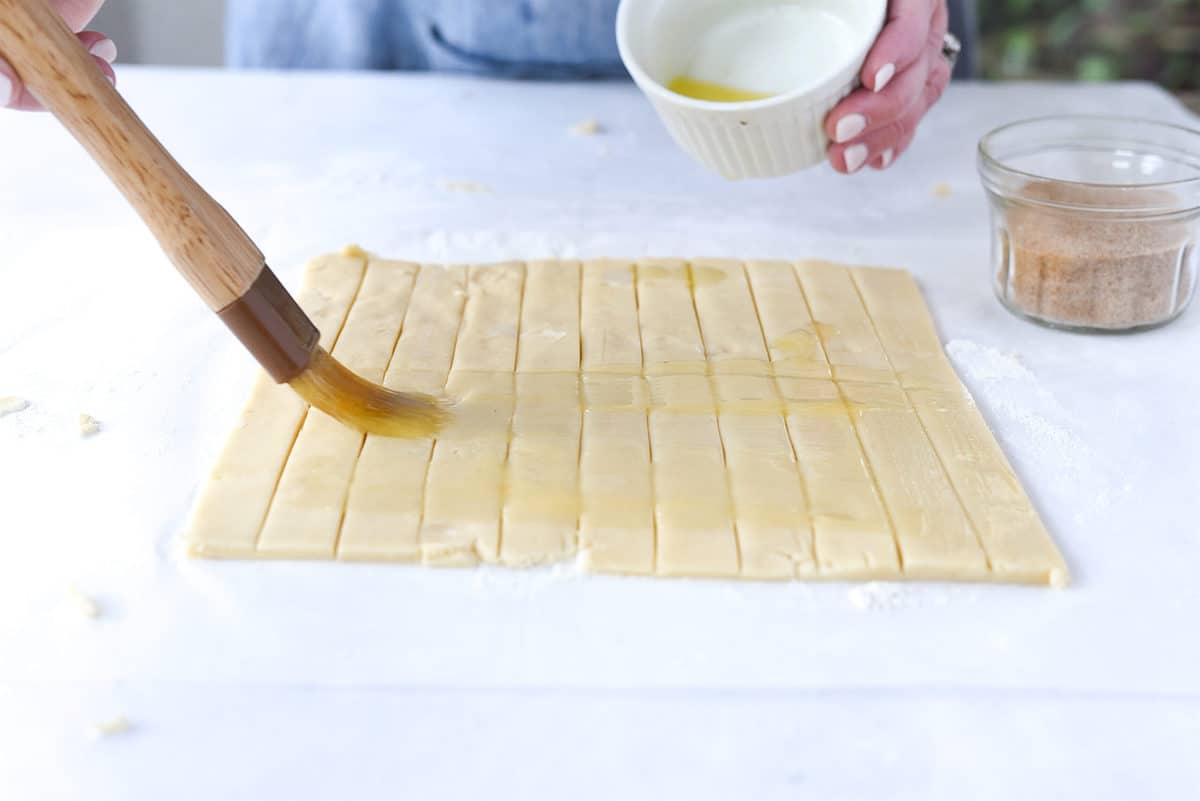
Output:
(568, 39)
(513, 38)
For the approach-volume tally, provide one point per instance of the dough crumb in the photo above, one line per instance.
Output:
(88, 425)
(1059, 579)
(879, 595)
(588, 127)
(111, 727)
(83, 604)
(468, 187)
(11, 404)
(943, 190)
(355, 252)
(574, 567)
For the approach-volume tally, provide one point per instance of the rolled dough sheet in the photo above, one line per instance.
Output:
(715, 418)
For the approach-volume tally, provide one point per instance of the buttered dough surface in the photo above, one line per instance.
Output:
(753, 420)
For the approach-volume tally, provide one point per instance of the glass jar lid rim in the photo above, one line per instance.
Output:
(993, 162)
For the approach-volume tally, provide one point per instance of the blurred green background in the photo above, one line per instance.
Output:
(1093, 40)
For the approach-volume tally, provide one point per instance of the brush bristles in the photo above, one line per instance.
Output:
(331, 387)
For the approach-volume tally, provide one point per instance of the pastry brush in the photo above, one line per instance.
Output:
(200, 238)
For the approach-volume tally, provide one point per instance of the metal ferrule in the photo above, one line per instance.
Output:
(273, 327)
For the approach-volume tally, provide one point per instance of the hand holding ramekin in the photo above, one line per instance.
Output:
(775, 135)
(903, 76)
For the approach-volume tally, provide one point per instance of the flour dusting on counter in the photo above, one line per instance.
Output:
(880, 595)
(468, 187)
(890, 596)
(1039, 426)
(1008, 385)
(987, 364)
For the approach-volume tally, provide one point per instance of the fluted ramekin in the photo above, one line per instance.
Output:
(764, 138)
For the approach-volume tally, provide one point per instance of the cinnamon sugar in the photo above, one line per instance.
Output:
(1068, 256)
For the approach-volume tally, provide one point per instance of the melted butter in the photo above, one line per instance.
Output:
(645, 394)
(753, 51)
(801, 341)
(802, 348)
(824, 409)
(704, 276)
(825, 330)
(696, 275)
(800, 344)
(713, 92)
(656, 272)
(751, 407)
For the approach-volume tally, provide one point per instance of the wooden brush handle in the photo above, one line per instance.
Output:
(199, 236)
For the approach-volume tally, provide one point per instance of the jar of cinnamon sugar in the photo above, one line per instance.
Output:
(1095, 220)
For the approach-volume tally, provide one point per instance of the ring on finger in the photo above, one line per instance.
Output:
(951, 49)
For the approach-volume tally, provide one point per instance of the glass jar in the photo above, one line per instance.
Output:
(1095, 220)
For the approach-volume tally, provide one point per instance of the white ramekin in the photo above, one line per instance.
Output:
(759, 139)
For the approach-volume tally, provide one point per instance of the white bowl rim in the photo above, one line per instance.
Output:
(656, 89)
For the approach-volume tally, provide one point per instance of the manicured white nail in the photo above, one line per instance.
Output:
(884, 76)
(856, 156)
(6, 90)
(886, 158)
(105, 49)
(849, 127)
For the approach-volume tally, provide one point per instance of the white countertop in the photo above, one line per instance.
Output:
(297, 681)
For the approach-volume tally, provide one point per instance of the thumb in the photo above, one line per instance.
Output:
(77, 13)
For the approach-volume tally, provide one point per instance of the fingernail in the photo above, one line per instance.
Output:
(849, 127)
(105, 49)
(856, 156)
(886, 158)
(6, 90)
(884, 76)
